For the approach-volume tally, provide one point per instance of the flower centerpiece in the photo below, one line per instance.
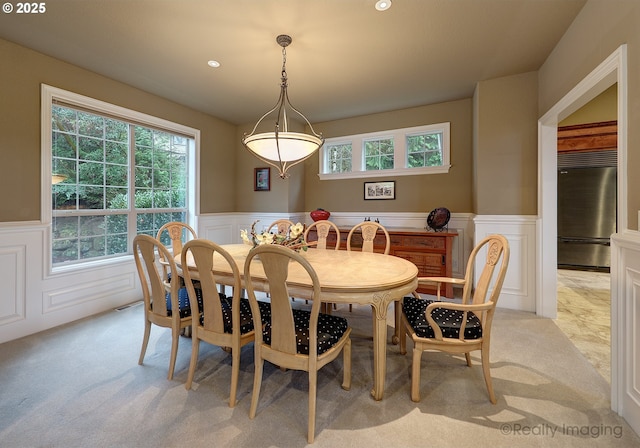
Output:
(293, 239)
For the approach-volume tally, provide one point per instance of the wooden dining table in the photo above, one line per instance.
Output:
(345, 277)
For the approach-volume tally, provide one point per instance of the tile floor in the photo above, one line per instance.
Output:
(584, 315)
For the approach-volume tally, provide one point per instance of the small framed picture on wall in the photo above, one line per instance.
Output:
(261, 179)
(380, 190)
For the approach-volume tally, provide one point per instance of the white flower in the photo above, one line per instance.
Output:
(296, 230)
(245, 237)
(265, 238)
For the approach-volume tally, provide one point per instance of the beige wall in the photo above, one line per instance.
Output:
(420, 193)
(285, 195)
(505, 146)
(600, 28)
(493, 135)
(604, 107)
(21, 73)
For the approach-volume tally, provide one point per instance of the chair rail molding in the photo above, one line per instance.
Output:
(36, 299)
(518, 290)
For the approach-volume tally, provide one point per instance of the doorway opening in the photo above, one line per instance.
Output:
(609, 72)
(587, 205)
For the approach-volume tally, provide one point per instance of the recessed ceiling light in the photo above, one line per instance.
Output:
(213, 64)
(383, 5)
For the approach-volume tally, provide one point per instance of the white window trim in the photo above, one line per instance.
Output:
(400, 153)
(47, 97)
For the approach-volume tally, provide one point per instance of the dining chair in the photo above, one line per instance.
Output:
(162, 305)
(458, 327)
(294, 339)
(217, 319)
(174, 233)
(281, 226)
(368, 231)
(322, 229)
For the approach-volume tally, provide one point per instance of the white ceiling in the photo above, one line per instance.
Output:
(346, 59)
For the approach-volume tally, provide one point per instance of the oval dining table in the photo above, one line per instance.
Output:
(345, 277)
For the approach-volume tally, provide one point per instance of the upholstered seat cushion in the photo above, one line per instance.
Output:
(330, 329)
(183, 301)
(246, 318)
(449, 321)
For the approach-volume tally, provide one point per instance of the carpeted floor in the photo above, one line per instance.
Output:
(80, 386)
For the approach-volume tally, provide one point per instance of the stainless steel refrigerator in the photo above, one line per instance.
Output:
(587, 207)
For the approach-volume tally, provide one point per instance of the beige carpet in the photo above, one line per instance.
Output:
(80, 386)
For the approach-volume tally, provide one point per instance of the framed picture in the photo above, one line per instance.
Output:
(380, 190)
(261, 179)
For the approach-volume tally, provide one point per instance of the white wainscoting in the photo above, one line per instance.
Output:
(625, 326)
(518, 291)
(225, 228)
(32, 299)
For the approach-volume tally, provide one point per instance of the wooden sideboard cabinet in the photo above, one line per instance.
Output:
(429, 251)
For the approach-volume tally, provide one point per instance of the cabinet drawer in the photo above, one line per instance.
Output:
(422, 259)
(426, 242)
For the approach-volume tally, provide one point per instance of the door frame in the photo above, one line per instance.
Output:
(611, 71)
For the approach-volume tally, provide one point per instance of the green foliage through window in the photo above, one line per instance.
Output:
(424, 150)
(339, 158)
(378, 154)
(92, 204)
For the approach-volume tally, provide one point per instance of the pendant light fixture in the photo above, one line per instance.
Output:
(282, 148)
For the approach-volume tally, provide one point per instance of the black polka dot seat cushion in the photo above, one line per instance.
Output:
(330, 329)
(183, 300)
(449, 321)
(246, 318)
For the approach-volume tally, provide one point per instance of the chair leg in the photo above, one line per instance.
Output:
(484, 353)
(257, 382)
(235, 373)
(415, 375)
(145, 340)
(195, 349)
(403, 338)
(468, 357)
(313, 382)
(346, 375)
(175, 335)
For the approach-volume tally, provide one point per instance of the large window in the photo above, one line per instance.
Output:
(112, 174)
(399, 152)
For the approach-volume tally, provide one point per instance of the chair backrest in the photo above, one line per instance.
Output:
(369, 230)
(202, 252)
(154, 288)
(281, 225)
(177, 231)
(323, 228)
(276, 263)
(491, 274)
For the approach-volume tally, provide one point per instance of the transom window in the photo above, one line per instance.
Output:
(400, 152)
(378, 154)
(111, 176)
(339, 157)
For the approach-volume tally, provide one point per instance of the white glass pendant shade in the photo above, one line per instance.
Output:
(288, 147)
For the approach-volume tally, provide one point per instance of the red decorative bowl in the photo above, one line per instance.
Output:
(319, 214)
